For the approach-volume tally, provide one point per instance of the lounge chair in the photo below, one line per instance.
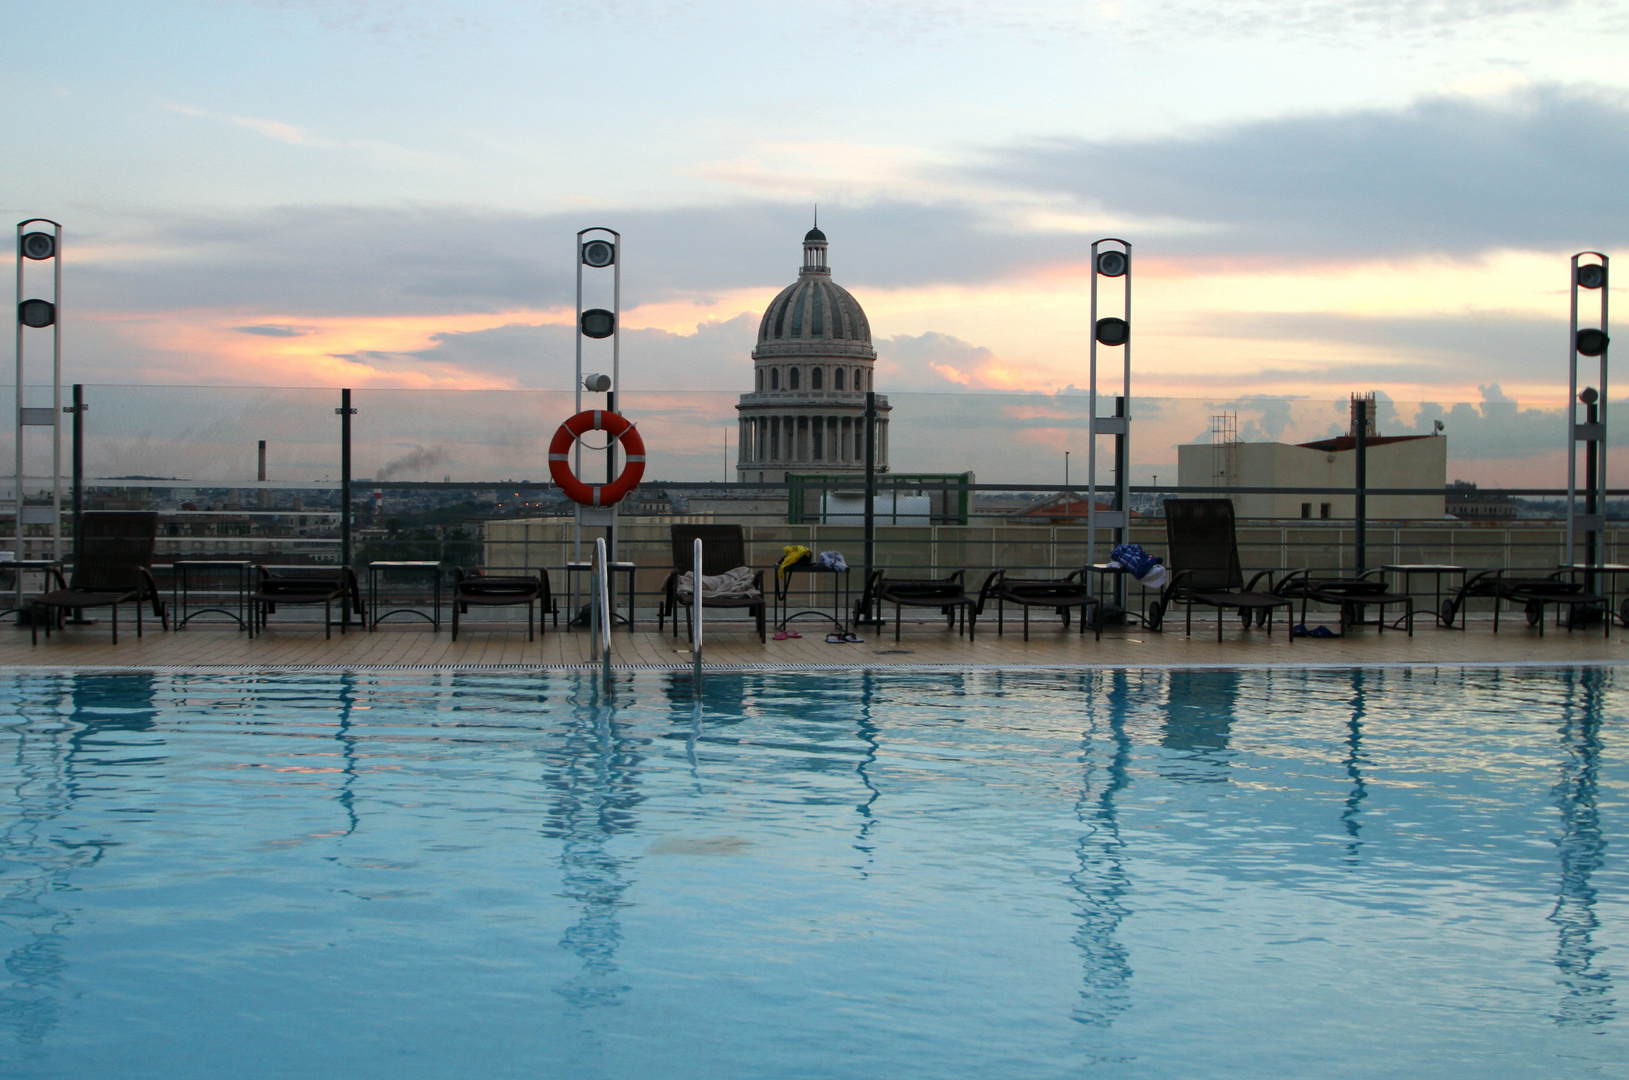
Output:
(1532, 593)
(296, 586)
(113, 557)
(1203, 552)
(501, 590)
(723, 548)
(1060, 594)
(948, 594)
(1350, 594)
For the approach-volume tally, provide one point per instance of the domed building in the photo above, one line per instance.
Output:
(811, 369)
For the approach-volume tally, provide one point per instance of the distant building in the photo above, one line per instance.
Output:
(1396, 461)
(811, 370)
(1469, 504)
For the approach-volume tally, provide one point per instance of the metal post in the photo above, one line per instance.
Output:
(78, 410)
(870, 494)
(1591, 506)
(345, 413)
(260, 473)
(1587, 277)
(1122, 494)
(1361, 555)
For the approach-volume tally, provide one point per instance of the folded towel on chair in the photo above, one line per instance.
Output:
(731, 583)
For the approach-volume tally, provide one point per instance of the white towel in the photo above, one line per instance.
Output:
(731, 583)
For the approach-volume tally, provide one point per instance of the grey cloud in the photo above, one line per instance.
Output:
(270, 330)
(1535, 170)
(358, 260)
(1422, 348)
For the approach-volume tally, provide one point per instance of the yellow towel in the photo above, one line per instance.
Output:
(791, 555)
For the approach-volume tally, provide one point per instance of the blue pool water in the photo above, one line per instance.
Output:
(1217, 874)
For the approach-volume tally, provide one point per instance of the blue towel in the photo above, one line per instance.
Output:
(1134, 559)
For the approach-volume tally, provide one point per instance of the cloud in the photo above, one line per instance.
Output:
(1535, 169)
(421, 260)
(270, 330)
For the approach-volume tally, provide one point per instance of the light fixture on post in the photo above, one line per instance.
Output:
(1589, 278)
(38, 245)
(597, 323)
(1110, 331)
(598, 249)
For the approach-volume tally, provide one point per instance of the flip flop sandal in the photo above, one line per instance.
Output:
(853, 639)
(835, 639)
(793, 633)
(782, 635)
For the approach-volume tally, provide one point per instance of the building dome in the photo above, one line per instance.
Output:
(814, 316)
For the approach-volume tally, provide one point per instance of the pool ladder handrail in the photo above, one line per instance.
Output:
(695, 607)
(601, 608)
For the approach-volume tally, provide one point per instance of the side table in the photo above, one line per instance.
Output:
(575, 568)
(380, 570)
(184, 575)
(1436, 570)
(839, 595)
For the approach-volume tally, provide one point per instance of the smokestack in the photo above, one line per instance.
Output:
(262, 476)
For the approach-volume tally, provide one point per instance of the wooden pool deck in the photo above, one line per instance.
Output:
(732, 644)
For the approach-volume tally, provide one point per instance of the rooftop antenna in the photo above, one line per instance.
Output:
(817, 215)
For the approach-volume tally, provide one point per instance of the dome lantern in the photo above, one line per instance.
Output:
(814, 253)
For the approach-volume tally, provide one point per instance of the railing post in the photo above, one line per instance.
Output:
(78, 410)
(870, 495)
(1361, 540)
(345, 413)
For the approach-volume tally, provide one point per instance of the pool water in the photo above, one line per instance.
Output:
(906, 874)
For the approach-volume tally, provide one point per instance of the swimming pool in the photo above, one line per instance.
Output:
(902, 874)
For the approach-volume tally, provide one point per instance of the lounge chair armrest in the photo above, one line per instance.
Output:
(959, 576)
(56, 572)
(1268, 574)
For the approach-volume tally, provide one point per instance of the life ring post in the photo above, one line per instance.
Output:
(623, 432)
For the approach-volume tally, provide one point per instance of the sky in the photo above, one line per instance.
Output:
(1322, 196)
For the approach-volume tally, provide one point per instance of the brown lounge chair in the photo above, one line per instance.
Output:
(723, 548)
(948, 594)
(295, 586)
(502, 590)
(113, 558)
(1350, 594)
(1203, 554)
(1061, 594)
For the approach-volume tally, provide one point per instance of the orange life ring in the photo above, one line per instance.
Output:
(622, 430)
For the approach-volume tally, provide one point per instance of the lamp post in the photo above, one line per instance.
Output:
(1589, 281)
(1111, 263)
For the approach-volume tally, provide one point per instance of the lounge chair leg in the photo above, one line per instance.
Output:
(114, 619)
(529, 636)
(328, 619)
(1026, 622)
(896, 622)
(138, 618)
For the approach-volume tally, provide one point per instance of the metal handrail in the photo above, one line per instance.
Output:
(695, 608)
(601, 606)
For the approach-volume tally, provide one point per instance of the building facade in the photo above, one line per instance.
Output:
(1405, 461)
(812, 368)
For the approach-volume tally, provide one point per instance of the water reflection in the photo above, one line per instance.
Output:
(1354, 761)
(1101, 879)
(1588, 999)
(595, 775)
(1199, 722)
(866, 729)
(347, 751)
(45, 761)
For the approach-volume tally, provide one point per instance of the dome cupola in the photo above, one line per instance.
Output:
(814, 316)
